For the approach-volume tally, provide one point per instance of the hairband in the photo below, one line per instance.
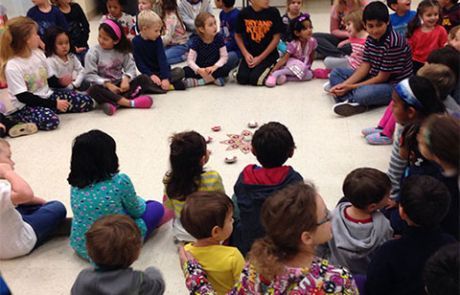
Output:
(405, 92)
(303, 16)
(115, 28)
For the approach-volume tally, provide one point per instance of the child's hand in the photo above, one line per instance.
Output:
(80, 49)
(65, 80)
(341, 89)
(202, 72)
(255, 61)
(4, 169)
(62, 105)
(211, 70)
(112, 87)
(248, 57)
(124, 85)
(165, 84)
(343, 43)
(184, 256)
(155, 79)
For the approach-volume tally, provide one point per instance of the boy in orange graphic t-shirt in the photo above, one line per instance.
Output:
(257, 34)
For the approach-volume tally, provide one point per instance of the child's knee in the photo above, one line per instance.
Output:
(242, 78)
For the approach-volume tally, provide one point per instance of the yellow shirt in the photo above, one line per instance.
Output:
(210, 182)
(223, 265)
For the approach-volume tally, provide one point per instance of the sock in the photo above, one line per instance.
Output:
(190, 82)
(201, 82)
(219, 82)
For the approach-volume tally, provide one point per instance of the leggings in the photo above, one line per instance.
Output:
(47, 118)
(255, 76)
(44, 219)
(387, 122)
(153, 214)
(139, 85)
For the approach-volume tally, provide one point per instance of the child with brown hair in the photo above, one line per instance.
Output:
(115, 12)
(207, 57)
(114, 242)
(175, 36)
(454, 38)
(208, 216)
(188, 156)
(283, 262)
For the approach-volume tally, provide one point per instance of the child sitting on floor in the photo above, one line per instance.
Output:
(26, 221)
(208, 216)
(402, 15)
(115, 12)
(114, 242)
(283, 262)
(273, 145)
(174, 37)
(98, 189)
(228, 19)
(207, 57)
(295, 65)
(110, 67)
(450, 14)
(358, 227)
(397, 265)
(150, 57)
(188, 155)
(257, 35)
(189, 10)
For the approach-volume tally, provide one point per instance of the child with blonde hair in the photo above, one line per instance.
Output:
(25, 69)
(295, 65)
(188, 155)
(150, 56)
(207, 57)
(293, 11)
(335, 42)
(175, 36)
(454, 38)
(424, 32)
(357, 38)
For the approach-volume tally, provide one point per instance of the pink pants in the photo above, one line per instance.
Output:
(387, 122)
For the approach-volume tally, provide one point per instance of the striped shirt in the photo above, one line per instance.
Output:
(357, 50)
(390, 54)
(397, 165)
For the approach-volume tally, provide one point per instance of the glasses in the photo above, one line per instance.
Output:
(326, 219)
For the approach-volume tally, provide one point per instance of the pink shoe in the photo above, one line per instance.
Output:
(108, 108)
(281, 80)
(142, 102)
(321, 73)
(271, 81)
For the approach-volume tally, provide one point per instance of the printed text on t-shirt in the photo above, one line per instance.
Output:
(257, 28)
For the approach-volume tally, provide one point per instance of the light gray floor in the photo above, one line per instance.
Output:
(328, 147)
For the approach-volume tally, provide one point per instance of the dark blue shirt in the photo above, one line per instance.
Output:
(227, 28)
(46, 20)
(78, 25)
(150, 57)
(207, 54)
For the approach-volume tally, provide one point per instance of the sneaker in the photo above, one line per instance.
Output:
(367, 131)
(108, 108)
(378, 139)
(142, 102)
(327, 86)
(271, 81)
(21, 129)
(281, 80)
(347, 108)
(219, 82)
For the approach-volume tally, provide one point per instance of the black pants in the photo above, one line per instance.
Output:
(327, 45)
(221, 72)
(139, 85)
(255, 76)
(8, 122)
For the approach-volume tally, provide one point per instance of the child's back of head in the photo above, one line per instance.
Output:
(272, 144)
(94, 159)
(114, 241)
(441, 271)
(441, 76)
(205, 213)
(364, 187)
(447, 56)
(187, 157)
(424, 200)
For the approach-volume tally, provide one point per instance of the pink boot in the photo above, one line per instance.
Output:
(271, 81)
(142, 102)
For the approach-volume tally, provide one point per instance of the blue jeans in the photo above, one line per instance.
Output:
(233, 59)
(44, 219)
(368, 95)
(175, 54)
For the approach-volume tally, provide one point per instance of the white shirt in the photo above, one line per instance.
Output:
(60, 68)
(17, 237)
(27, 74)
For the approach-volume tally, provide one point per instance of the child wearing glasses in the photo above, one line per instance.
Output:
(358, 226)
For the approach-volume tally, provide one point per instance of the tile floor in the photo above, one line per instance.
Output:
(328, 147)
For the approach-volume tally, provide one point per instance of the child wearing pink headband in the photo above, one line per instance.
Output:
(115, 12)
(110, 68)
